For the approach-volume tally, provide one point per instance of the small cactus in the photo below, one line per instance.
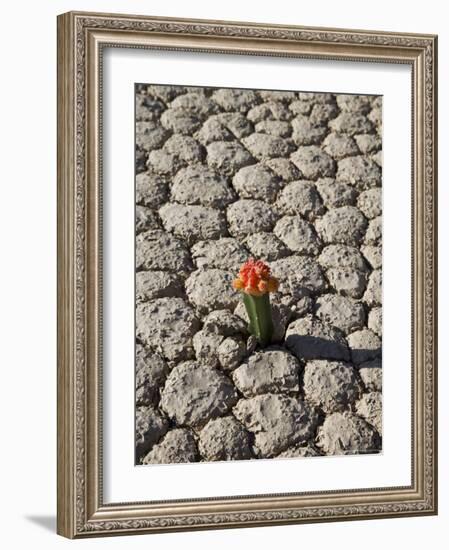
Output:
(256, 282)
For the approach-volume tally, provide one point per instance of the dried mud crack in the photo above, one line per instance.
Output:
(294, 179)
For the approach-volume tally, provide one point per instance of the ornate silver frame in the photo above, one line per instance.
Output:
(81, 37)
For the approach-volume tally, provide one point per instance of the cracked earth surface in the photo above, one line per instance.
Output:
(294, 179)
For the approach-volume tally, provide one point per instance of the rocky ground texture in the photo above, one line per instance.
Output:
(292, 178)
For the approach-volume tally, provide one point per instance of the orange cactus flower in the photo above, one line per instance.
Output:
(255, 278)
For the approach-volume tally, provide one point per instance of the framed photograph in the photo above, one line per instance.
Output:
(246, 274)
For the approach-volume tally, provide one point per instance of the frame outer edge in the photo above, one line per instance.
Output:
(75, 421)
(435, 268)
(66, 288)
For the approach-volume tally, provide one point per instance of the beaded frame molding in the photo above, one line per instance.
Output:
(81, 38)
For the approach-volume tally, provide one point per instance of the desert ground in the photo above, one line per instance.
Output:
(294, 179)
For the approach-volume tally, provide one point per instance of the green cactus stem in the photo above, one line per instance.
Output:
(260, 318)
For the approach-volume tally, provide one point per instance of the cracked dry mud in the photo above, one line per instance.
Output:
(294, 179)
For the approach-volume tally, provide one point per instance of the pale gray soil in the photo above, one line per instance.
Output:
(292, 178)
